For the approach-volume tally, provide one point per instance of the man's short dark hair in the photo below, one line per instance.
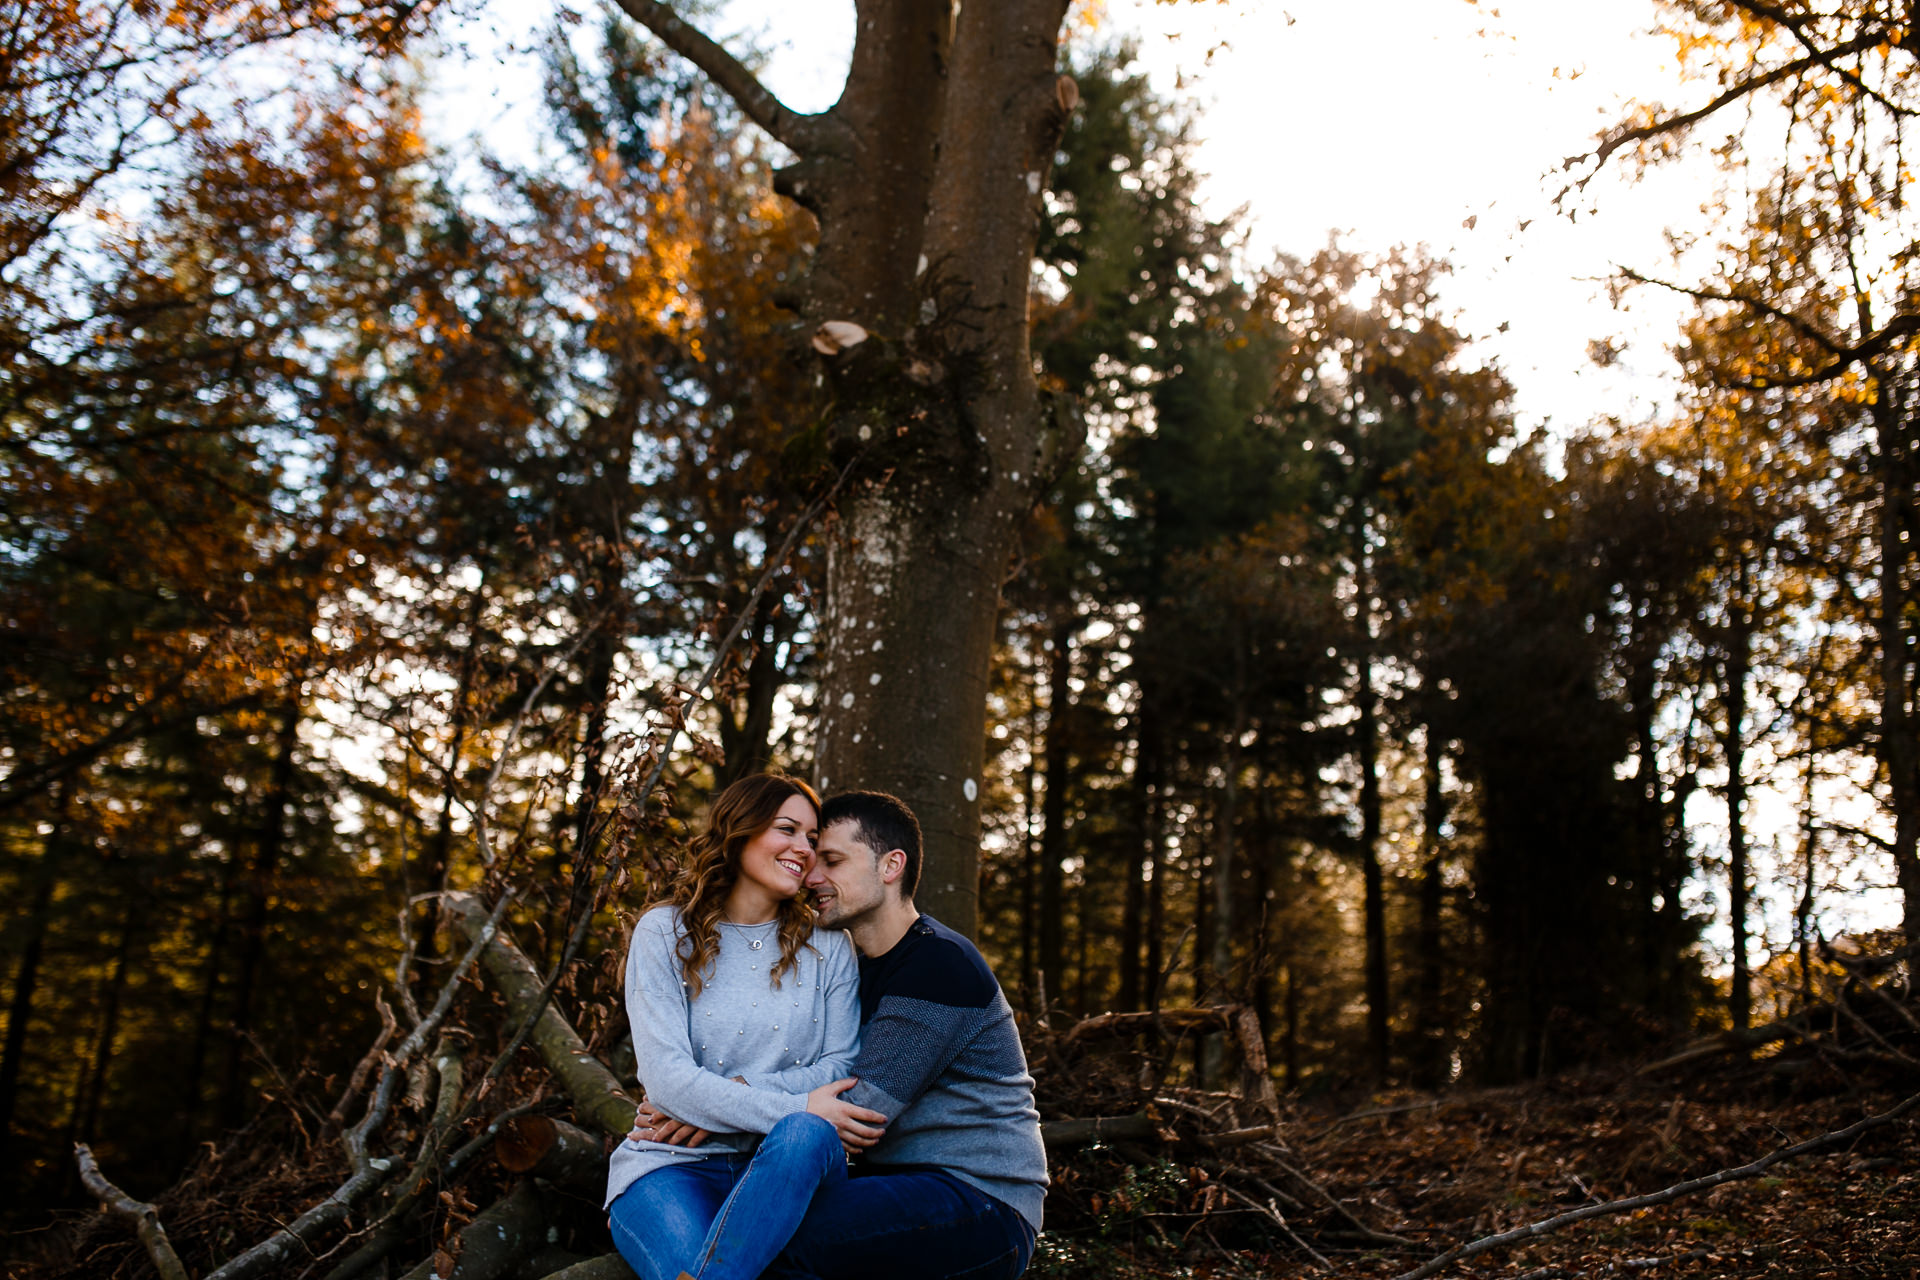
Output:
(881, 822)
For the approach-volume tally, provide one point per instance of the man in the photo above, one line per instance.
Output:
(952, 1175)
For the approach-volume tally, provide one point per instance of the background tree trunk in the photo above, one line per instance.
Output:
(925, 178)
(1367, 730)
(1053, 836)
(235, 1092)
(1433, 1065)
(26, 981)
(1737, 658)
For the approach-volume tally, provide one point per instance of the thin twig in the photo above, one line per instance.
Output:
(479, 808)
(1271, 1212)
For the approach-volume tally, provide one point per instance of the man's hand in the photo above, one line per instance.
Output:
(651, 1124)
(858, 1127)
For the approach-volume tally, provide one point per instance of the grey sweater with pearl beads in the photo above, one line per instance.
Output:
(783, 1040)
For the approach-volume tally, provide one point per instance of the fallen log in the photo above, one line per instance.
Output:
(507, 1231)
(597, 1096)
(1155, 1022)
(548, 1261)
(1735, 1041)
(1138, 1127)
(543, 1147)
(609, 1266)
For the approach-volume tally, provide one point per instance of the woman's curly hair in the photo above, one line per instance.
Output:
(711, 867)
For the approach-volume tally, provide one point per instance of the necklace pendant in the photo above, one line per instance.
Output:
(756, 943)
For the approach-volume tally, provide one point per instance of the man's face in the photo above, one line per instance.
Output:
(845, 879)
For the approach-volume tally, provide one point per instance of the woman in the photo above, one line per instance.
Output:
(740, 1011)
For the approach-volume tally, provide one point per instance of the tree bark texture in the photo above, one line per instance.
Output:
(925, 178)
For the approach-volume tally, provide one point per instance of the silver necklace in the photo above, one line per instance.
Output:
(753, 944)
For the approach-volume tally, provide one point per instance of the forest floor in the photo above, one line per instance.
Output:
(1442, 1169)
(1434, 1169)
(1188, 1183)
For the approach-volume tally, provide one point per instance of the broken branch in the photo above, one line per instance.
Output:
(145, 1218)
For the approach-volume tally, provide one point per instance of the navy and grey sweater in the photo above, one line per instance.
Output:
(941, 1059)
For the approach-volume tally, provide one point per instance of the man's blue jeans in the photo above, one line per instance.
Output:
(922, 1223)
(725, 1217)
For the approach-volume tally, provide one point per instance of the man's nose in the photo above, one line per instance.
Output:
(815, 877)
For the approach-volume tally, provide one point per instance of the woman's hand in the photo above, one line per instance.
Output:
(651, 1124)
(858, 1127)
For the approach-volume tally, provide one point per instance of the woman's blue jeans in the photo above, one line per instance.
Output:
(727, 1216)
(791, 1211)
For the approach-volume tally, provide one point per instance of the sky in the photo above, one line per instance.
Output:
(1442, 123)
(1394, 122)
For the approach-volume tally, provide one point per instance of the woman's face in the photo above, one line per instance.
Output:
(776, 861)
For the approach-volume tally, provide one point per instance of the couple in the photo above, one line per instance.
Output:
(752, 1016)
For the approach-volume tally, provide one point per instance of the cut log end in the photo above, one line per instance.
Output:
(523, 1141)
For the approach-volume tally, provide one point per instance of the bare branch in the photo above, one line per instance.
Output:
(1271, 1211)
(1844, 356)
(1801, 326)
(1610, 1207)
(1687, 119)
(800, 133)
(145, 1218)
(1858, 833)
(1828, 58)
(1873, 344)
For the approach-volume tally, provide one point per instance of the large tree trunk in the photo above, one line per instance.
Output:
(925, 178)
